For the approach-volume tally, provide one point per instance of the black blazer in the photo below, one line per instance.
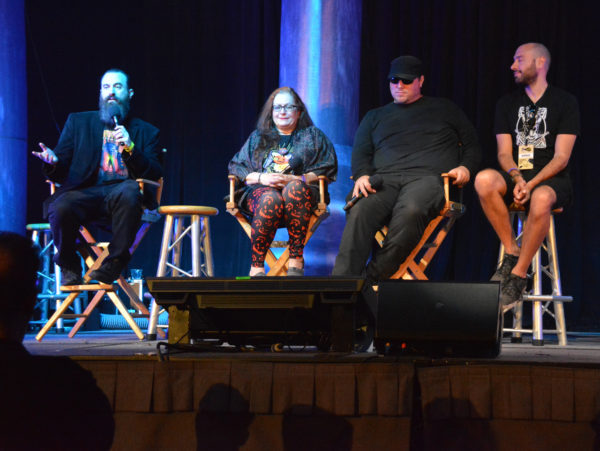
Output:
(79, 150)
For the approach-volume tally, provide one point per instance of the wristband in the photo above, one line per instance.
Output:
(259, 175)
(513, 169)
(129, 148)
(303, 178)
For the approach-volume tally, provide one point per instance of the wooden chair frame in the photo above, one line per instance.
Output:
(278, 266)
(414, 266)
(93, 254)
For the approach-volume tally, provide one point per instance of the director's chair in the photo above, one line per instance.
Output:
(436, 231)
(94, 253)
(278, 266)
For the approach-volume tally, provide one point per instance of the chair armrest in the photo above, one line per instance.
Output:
(322, 206)
(158, 184)
(231, 204)
(447, 178)
(143, 182)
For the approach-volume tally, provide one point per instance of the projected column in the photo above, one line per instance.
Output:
(13, 116)
(320, 58)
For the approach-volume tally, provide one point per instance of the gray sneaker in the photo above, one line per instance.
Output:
(511, 291)
(503, 271)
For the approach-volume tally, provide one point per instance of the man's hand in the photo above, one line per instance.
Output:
(461, 176)
(122, 137)
(521, 193)
(47, 155)
(362, 185)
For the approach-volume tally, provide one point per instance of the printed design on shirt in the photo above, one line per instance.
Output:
(111, 162)
(278, 160)
(531, 127)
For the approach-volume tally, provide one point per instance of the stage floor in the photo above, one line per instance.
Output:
(582, 349)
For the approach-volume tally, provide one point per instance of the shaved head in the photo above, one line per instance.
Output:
(538, 51)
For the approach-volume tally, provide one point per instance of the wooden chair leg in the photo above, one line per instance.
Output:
(87, 312)
(64, 305)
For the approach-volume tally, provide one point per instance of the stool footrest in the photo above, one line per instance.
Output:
(73, 315)
(547, 298)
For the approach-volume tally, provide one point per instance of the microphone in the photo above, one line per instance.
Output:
(115, 112)
(375, 180)
(294, 163)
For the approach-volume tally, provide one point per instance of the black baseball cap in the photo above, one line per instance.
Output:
(406, 66)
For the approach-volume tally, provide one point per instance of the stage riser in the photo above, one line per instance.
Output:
(194, 404)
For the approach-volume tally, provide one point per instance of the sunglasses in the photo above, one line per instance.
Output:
(405, 81)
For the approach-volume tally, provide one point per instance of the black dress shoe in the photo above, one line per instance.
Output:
(70, 276)
(108, 272)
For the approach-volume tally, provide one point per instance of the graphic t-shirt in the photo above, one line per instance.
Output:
(112, 166)
(278, 159)
(537, 124)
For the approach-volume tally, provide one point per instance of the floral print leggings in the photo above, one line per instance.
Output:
(273, 208)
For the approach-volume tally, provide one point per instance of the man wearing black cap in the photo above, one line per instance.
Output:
(96, 161)
(406, 145)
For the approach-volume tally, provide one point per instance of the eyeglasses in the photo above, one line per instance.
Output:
(286, 108)
(405, 81)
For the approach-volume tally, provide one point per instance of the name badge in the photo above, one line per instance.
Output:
(525, 157)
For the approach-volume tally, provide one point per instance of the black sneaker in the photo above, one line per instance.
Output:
(511, 291)
(507, 265)
(70, 276)
(108, 272)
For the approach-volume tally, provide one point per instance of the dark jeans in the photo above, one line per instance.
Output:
(120, 203)
(406, 205)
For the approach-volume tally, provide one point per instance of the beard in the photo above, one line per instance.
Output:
(107, 110)
(528, 76)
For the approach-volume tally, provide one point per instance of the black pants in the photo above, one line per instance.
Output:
(405, 205)
(120, 203)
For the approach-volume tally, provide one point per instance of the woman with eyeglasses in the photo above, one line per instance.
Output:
(279, 165)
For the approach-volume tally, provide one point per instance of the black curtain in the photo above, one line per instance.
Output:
(202, 69)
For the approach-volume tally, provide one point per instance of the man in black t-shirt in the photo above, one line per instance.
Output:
(404, 145)
(535, 128)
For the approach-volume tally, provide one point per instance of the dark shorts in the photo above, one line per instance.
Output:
(561, 186)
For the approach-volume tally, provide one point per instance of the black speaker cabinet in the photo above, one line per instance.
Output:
(438, 318)
(315, 311)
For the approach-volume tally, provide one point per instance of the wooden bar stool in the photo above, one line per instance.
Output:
(48, 276)
(175, 230)
(542, 304)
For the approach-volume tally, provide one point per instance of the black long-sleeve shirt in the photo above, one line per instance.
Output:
(429, 136)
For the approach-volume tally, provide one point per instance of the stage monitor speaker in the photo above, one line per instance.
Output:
(319, 311)
(438, 318)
